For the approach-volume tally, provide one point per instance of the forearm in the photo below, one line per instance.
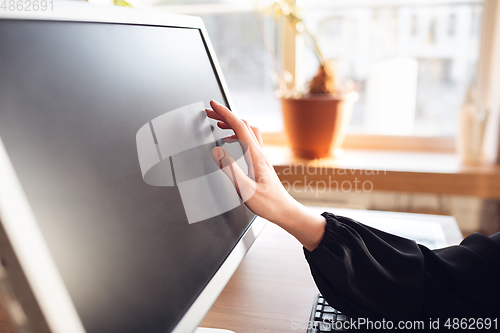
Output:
(308, 228)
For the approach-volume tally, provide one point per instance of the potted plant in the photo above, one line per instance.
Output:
(315, 120)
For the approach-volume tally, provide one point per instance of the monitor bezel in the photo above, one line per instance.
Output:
(34, 291)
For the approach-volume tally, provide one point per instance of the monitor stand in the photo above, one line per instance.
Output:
(211, 330)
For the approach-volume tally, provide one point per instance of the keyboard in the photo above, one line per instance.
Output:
(325, 318)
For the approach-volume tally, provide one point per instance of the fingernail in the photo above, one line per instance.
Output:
(221, 153)
(215, 102)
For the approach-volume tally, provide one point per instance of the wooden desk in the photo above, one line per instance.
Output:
(398, 171)
(273, 284)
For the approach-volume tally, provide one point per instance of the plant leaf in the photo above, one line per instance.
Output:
(122, 3)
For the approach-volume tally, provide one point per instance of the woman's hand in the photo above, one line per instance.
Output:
(262, 190)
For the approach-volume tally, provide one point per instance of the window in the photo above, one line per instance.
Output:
(410, 62)
(426, 53)
(248, 68)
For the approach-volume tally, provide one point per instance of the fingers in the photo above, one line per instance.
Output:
(257, 134)
(255, 130)
(223, 125)
(243, 132)
(250, 129)
(212, 114)
(244, 185)
(237, 125)
(244, 159)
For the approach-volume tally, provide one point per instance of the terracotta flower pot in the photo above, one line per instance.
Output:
(316, 125)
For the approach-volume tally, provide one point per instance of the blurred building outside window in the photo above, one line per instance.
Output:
(411, 61)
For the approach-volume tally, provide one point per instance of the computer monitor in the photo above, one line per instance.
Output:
(114, 217)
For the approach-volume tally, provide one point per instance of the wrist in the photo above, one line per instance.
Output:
(290, 211)
(306, 226)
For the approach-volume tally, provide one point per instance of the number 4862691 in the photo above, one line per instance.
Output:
(472, 323)
(26, 5)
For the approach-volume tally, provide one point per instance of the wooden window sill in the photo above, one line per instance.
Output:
(400, 171)
(380, 142)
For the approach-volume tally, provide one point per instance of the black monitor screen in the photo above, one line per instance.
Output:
(105, 128)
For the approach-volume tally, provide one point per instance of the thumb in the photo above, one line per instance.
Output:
(244, 185)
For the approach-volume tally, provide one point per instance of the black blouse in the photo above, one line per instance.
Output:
(368, 273)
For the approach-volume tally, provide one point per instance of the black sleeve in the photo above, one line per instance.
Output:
(368, 273)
